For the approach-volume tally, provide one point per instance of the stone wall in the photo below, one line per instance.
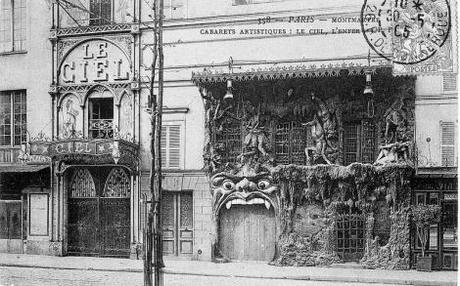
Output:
(313, 197)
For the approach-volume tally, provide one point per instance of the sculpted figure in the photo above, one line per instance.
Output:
(324, 134)
(395, 122)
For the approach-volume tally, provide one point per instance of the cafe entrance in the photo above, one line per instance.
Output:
(99, 211)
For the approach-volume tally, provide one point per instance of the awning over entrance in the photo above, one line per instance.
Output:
(88, 151)
(22, 168)
(277, 71)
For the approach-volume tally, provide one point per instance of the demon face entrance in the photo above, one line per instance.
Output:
(247, 231)
(98, 212)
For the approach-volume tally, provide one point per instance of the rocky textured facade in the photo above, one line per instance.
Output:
(283, 145)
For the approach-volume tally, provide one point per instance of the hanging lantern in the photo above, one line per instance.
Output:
(229, 95)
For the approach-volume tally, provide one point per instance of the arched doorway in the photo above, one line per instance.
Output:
(99, 212)
(247, 232)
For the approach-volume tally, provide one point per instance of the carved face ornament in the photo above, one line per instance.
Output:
(232, 190)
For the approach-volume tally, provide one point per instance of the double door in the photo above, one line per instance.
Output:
(99, 212)
(177, 222)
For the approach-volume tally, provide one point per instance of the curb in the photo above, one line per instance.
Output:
(287, 277)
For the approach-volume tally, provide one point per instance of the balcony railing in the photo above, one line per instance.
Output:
(100, 128)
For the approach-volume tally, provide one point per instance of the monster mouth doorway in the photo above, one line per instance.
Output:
(247, 232)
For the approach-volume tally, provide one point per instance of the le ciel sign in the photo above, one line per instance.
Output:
(94, 61)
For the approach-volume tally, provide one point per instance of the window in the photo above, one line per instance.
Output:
(12, 25)
(171, 146)
(290, 142)
(101, 117)
(448, 144)
(359, 142)
(13, 119)
(100, 12)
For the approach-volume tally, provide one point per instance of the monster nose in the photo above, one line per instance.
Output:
(244, 185)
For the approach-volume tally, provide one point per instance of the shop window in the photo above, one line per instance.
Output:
(101, 118)
(449, 224)
(171, 146)
(13, 118)
(12, 25)
(448, 158)
(100, 12)
(10, 219)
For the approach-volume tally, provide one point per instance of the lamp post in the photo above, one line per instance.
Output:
(153, 232)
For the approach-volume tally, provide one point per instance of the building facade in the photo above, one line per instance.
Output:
(273, 148)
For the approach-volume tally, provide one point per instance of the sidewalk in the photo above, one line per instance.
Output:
(240, 269)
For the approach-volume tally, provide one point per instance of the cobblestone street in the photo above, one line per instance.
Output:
(18, 276)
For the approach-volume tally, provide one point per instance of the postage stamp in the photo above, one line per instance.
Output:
(407, 32)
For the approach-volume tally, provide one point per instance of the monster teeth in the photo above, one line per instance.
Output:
(255, 201)
(267, 205)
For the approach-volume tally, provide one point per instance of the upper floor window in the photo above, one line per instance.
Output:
(13, 118)
(101, 118)
(171, 145)
(100, 12)
(448, 156)
(12, 25)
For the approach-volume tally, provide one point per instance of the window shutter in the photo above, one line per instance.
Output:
(174, 146)
(448, 144)
(449, 82)
(171, 146)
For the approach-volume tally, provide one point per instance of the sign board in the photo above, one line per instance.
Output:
(38, 214)
(71, 147)
(94, 61)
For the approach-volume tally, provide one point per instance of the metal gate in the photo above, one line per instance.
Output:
(99, 212)
(350, 236)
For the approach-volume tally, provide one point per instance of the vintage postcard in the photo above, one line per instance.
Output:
(229, 142)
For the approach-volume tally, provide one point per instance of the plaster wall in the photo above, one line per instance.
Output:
(432, 106)
(31, 69)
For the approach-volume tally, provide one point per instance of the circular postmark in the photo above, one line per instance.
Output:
(406, 31)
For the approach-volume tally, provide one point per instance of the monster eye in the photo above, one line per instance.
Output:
(228, 185)
(263, 184)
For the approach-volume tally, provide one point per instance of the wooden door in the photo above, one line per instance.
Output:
(177, 221)
(247, 232)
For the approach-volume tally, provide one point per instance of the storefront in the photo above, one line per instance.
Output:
(20, 185)
(438, 186)
(307, 165)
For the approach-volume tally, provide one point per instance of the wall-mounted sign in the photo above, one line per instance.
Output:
(94, 61)
(71, 147)
(38, 214)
